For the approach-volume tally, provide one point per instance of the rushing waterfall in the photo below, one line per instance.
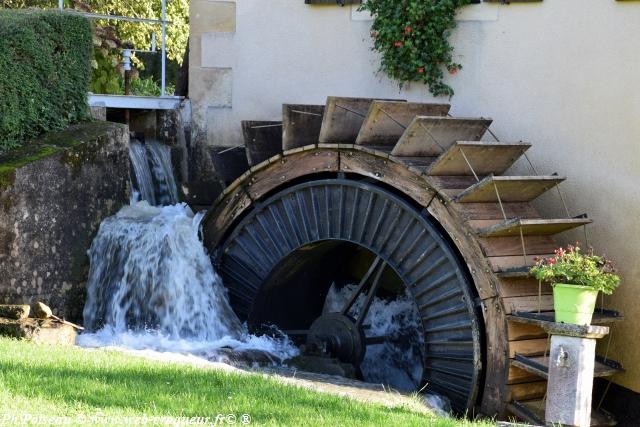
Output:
(141, 172)
(149, 271)
(160, 159)
(151, 163)
(151, 283)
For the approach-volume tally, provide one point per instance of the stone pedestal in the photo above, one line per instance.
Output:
(571, 367)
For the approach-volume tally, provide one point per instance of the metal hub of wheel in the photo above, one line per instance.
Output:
(339, 336)
(280, 260)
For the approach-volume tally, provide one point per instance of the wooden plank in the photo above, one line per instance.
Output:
(545, 320)
(492, 210)
(530, 227)
(229, 162)
(505, 246)
(524, 331)
(534, 409)
(386, 121)
(470, 250)
(496, 372)
(522, 287)
(291, 167)
(528, 347)
(431, 136)
(529, 303)
(385, 170)
(224, 213)
(519, 376)
(501, 263)
(262, 140)
(419, 163)
(525, 391)
(514, 273)
(452, 182)
(539, 365)
(343, 119)
(485, 158)
(510, 189)
(301, 125)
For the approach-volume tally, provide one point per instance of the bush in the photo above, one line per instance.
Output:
(45, 71)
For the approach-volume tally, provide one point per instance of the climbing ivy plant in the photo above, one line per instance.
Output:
(412, 37)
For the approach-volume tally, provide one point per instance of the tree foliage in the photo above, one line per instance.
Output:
(139, 34)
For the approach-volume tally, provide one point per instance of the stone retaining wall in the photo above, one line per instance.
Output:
(53, 195)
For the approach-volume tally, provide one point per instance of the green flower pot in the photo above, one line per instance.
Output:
(574, 304)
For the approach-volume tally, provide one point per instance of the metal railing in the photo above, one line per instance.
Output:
(163, 24)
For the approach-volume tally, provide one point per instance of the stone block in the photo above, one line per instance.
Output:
(14, 311)
(42, 311)
(195, 54)
(223, 128)
(571, 365)
(212, 87)
(54, 193)
(208, 16)
(98, 113)
(38, 331)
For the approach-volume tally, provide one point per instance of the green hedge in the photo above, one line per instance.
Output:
(45, 71)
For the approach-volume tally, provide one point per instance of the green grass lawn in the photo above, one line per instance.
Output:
(71, 382)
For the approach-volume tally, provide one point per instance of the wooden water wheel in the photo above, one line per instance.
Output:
(427, 198)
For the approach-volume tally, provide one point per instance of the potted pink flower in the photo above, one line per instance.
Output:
(576, 278)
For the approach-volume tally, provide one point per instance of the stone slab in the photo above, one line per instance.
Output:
(38, 331)
(210, 15)
(14, 311)
(214, 88)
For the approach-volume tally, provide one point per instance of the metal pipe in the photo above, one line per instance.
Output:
(118, 17)
(61, 5)
(126, 54)
(164, 47)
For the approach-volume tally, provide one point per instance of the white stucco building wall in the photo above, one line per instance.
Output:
(562, 74)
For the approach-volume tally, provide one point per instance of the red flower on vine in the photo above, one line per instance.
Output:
(453, 71)
(374, 34)
(421, 70)
(408, 30)
(398, 44)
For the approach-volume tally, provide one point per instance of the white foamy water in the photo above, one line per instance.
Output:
(152, 286)
(398, 362)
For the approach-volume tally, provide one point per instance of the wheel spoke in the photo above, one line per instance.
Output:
(296, 332)
(378, 340)
(374, 288)
(361, 286)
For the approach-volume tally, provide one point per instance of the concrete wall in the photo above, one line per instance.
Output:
(563, 74)
(54, 192)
